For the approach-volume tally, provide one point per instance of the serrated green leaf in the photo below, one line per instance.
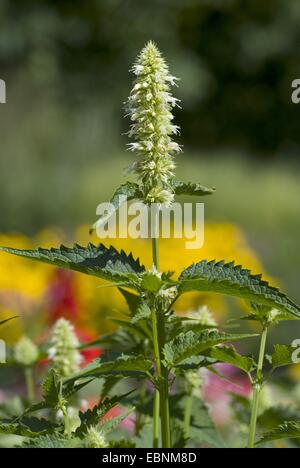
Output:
(151, 282)
(133, 300)
(189, 188)
(126, 192)
(52, 441)
(276, 415)
(287, 430)
(52, 389)
(282, 356)
(71, 389)
(266, 314)
(92, 417)
(189, 344)
(123, 365)
(133, 328)
(227, 278)
(100, 261)
(112, 423)
(176, 325)
(143, 312)
(229, 355)
(194, 363)
(28, 427)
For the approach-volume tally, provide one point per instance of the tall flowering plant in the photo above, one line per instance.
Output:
(154, 346)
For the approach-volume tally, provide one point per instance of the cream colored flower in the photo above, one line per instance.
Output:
(63, 350)
(149, 107)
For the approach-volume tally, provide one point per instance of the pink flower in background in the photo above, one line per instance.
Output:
(216, 391)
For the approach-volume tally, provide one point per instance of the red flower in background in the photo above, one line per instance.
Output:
(62, 297)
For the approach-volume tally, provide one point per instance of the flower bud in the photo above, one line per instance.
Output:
(26, 352)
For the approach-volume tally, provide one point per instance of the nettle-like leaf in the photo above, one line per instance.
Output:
(112, 423)
(287, 430)
(190, 188)
(143, 313)
(133, 300)
(138, 307)
(126, 192)
(92, 417)
(52, 389)
(133, 328)
(266, 314)
(52, 441)
(234, 280)
(151, 282)
(282, 356)
(123, 365)
(189, 344)
(276, 415)
(55, 391)
(194, 363)
(177, 324)
(104, 262)
(27, 427)
(229, 355)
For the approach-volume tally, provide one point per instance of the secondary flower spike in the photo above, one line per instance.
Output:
(63, 351)
(149, 107)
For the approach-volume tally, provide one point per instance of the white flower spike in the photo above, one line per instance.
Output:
(150, 107)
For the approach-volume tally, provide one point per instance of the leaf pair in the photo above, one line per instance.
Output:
(219, 277)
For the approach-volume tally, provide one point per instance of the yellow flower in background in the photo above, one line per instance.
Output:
(28, 288)
(16, 275)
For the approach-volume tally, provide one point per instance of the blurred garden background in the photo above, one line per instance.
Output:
(63, 150)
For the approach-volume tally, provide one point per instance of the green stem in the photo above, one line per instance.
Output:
(257, 387)
(156, 414)
(29, 384)
(161, 400)
(164, 390)
(139, 416)
(188, 414)
(68, 431)
(155, 252)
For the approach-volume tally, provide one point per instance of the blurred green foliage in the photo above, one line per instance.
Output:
(236, 59)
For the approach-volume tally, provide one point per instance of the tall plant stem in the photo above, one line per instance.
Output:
(156, 405)
(139, 416)
(68, 430)
(257, 387)
(161, 400)
(29, 384)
